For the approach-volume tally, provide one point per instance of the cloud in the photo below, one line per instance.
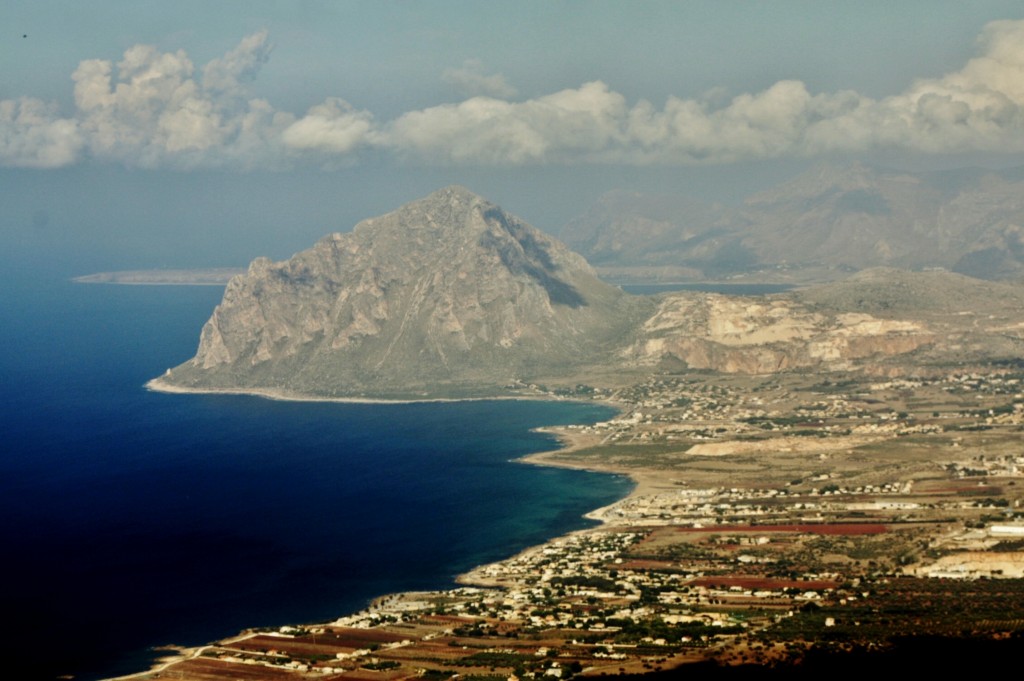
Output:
(469, 80)
(333, 127)
(977, 108)
(227, 74)
(33, 136)
(152, 110)
(782, 120)
(557, 127)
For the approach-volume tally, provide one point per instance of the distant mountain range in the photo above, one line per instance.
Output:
(844, 218)
(450, 296)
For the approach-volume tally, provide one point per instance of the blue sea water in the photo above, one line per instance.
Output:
(132, 519)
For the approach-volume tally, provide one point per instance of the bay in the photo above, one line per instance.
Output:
(132, 519)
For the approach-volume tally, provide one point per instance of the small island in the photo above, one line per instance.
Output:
(218, 276)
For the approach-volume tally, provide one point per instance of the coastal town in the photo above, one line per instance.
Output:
(772, 518)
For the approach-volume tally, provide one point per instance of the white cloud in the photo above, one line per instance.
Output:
(997, 69)
(333, 127)
(151, 110)
(977, 108)
(769, 123)
(470, 80)
(559, 127)
(227, 74)
(33, 136)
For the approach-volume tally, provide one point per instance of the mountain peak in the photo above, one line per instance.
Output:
(449, 210)
(454, 192)
(448, 290)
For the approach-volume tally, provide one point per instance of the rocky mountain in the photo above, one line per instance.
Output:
(732, 334)
(446, 296)
(845, 218)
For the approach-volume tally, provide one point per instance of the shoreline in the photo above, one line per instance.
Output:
(645, 481)
(568, 443)
(160, 386)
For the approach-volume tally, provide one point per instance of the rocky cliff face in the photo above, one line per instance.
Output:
(881, 320)
(447, 295)
(763, 336)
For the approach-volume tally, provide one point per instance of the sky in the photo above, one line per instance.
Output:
(155, 134)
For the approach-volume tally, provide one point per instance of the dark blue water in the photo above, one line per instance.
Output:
(132, 519)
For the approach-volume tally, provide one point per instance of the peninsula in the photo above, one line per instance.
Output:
(832, 470)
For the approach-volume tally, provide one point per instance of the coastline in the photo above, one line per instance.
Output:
(569, 442)
(771, 508)
(161, 386)
(644, 481)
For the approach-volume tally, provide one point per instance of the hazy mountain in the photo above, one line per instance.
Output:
(842, 217)
(446, 295)
(847, 216)
(632, 228)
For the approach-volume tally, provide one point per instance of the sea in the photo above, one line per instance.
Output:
(133, 519)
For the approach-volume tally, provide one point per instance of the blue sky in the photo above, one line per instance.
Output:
(321, 113)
